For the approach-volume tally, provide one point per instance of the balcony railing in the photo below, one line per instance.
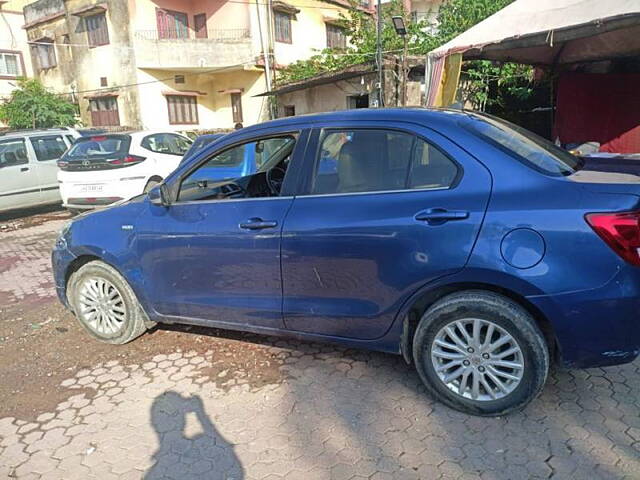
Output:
(219, 35)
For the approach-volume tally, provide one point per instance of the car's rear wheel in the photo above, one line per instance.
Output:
(105, 305)
(480, 353)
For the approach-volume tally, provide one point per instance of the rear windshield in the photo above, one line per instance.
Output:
(99, 147)
(523, 145)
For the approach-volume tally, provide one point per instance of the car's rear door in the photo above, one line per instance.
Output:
(47, 150)
(19, 184)
(163, 150)
(388, 208)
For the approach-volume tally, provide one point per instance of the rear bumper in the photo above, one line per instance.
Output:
(88, 203)
(597, 327)
(84, 194)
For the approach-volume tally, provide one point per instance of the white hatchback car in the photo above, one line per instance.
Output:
(104, 169)
(28, 170)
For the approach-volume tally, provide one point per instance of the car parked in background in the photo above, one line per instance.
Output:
(200, 143)
(477, 250)
(28, 169)
(240, 163)
(103, 169)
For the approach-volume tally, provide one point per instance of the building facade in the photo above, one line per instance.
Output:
(352, 87)
(181, 65)
(15, 61)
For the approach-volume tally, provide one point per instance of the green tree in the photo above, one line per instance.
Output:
(31, 105)
(486, 85)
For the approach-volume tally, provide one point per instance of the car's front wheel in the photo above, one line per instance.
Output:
(480, 353)
(105, 305)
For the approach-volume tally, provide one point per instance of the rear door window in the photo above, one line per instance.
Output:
(50, 147)
(430, 167)
(166, 143)
(13, 151)
(373, 160)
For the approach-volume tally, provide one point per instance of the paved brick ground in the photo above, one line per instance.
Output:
(25, 261)
(329, 413)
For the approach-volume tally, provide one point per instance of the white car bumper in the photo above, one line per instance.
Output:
(83, 193)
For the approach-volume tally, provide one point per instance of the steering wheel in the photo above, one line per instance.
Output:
(275, 177)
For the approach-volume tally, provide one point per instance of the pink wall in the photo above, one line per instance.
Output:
(221, 15)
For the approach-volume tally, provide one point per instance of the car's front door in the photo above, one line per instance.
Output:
(388, 208)
(19, 184)
(47, 150)
(214, 254)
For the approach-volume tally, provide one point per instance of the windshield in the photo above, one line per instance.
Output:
(523, 145)
(99, 147)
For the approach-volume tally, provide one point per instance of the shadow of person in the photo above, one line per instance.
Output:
(189, 444)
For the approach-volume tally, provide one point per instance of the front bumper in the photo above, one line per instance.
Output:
(61, 259)
(597, 327)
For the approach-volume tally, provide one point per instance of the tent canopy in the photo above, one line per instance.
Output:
(548, 32)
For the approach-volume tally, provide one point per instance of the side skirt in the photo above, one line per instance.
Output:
(386, 344)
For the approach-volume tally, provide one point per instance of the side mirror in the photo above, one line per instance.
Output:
(158, 195)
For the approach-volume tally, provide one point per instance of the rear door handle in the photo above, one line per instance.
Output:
(438, 216)
(24, 169)
(257, 224)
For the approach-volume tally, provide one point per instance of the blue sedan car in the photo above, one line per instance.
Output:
(475, 249)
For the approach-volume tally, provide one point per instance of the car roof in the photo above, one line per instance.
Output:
(208, 136)
(131, 133)
(35, 131)
(407, 114)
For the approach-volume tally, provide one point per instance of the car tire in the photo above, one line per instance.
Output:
(498, 366)
(150, 184)
(105, 305)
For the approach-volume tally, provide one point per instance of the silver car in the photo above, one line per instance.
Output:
(28, 168)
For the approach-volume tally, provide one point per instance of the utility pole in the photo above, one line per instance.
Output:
(273, 107)
(401, 29)
(265, 57)
(404, 72)
(379, 55)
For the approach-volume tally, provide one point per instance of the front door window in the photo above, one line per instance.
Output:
(213, 179)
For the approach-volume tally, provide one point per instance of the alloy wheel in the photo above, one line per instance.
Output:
(102, 307)
(477, 359)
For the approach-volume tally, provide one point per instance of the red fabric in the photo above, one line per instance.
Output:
(603, 108)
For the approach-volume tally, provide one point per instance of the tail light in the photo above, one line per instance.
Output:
(128, 160)
(621, 231)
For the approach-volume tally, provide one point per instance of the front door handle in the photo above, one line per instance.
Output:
(438, 216)
(258, 224)
(24, 169)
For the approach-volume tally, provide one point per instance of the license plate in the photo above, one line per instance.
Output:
(91, 188)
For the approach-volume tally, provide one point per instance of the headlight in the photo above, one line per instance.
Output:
(61, 241)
